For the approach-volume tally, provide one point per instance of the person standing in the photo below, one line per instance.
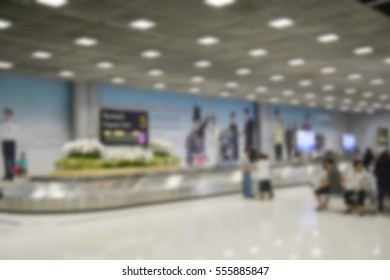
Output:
(278, 136)
(382, 173)
(249, 129)
(368, 159)
(234, 134)
(8, 131)
(247, 178)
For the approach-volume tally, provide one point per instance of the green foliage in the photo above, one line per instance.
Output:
(74, 163)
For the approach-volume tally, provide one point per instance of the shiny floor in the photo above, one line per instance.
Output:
(226, 227)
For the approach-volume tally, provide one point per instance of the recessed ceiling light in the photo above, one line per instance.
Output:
(6, 65)
(41, 55)
(142, 24)
(344, 108)
(328, 38)
(377, 82)
(159, 86)
(296, 62)
(387, 60)
(104, 65)
(219, 3)
(377, 105)
(155, 72)
(53, 3)
(310, 95)
(5, 23)
(328, 70)
(261, 89)
(294, 102)
(329, 106)
(86, 41)
(312, 104)
(384, 97)
(194, 90)
(363, 50)
(363, 103)
(251, 97)
(328, 87)
(330, 98)
(277, 78)
(202, 64)
(231, 84)
(387, 107)
(208, 40)
(274, 100)
(357, 109)
(368, 94)
(347, 101)
(281, 23)
(197, 79)
(288, 92)
(151, 54)
(305, 83)
(355, 76)
(224, 94)
(243, 71)
(66, 74)
(117, 80)
(350, 91)
(258, 52)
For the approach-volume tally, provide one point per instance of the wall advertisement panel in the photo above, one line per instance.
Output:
(202, 131)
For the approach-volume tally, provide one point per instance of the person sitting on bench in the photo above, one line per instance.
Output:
(331, 181)
(356, 182)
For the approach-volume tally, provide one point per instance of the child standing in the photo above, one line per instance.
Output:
(20, 169)
(264, 176)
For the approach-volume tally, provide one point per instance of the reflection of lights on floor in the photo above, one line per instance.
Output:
(294, 257)
(236, 176)
(173, 181)
(228, 253)
(254, 250)
(278, 242)
(377, 251)
(298, 239)
(316, 252)
(315, 233)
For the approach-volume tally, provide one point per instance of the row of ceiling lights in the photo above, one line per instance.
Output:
(281, 23)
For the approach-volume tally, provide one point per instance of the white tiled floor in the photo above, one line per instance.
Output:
(214, 228)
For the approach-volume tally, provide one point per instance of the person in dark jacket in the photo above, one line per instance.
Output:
(368, 159)
(382, 173)
(234, 136)
(249, 130)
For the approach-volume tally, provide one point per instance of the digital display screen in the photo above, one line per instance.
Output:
(120, 127)
(306, 141)
(349, 142)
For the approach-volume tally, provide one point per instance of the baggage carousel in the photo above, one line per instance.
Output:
(56, 195)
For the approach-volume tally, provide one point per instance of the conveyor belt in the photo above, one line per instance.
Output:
(51, 196)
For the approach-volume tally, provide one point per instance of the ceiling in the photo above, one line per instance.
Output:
(240, 27)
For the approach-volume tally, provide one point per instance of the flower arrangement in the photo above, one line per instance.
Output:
(90, 153)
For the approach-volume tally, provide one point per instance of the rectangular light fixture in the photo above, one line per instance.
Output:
(281, 23)
(6, 65)
(363, 50)
(328, 38)
(5, 23)
(53, 3)
(219, 3)
(86, 41)
(41, 55)
(296, 62)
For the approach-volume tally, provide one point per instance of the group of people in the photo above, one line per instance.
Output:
(257, 175)
(368, 176)
(208, 144)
